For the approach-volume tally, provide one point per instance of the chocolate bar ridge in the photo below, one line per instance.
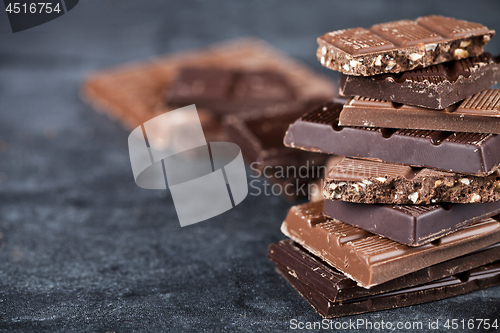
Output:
(335, 286)
(400, 46)
(433, 87)
(479, 113)
(370, 259)
(366, 181)
(470, 153)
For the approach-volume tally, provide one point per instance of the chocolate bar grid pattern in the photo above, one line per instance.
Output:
(486, 100)
(405, 33)
(329, 115)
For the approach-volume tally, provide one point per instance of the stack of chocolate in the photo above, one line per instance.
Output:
(412, 194)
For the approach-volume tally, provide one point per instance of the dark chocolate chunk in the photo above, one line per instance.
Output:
(260, 137)
(434, 87)
(401, 45)
(471, 153)
(365, 181)
(413, 225)
(337, 287)
(479, 113)
(371, 259)
(476, 279)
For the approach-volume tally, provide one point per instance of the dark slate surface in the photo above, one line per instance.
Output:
(83, 248)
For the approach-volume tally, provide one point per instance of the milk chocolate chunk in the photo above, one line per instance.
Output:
(337, 287)
(412, 225)
(479, 113)
(476, 279)
(371, 259)
(471, 153)
(365, 181)
(135, 93)
(433, 87)
(229, 91)
(401, 45)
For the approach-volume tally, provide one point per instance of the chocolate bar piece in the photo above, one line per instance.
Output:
(413, 225)
(400, 46)
(471, 153)
(479, 113)
(260, 137)
(366, 181)
(433, 87)
(371, 259)
(335, 286)
(135, 93)
(229, 91)
(476, 279)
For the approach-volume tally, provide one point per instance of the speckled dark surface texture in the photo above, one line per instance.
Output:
(83, 248)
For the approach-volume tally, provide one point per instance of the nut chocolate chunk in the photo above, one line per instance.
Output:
(365, 181)
(370, 259)
(471, 153)
(479, 113)
(402, 45)
(434, 87)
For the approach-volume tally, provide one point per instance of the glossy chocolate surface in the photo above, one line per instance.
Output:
(433, 87)
(400, 46)
(479, 113)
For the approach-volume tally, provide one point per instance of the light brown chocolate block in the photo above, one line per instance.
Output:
(135, 93)
(370, 259)
(400, 46)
